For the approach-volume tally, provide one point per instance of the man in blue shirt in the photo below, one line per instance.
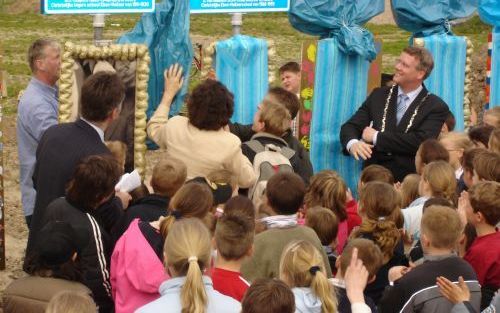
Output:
(37, 111)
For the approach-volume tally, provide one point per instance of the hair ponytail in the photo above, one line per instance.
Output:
(187, 251)
(380, 205)
(193, 295)
(324, 291)
(302, 265)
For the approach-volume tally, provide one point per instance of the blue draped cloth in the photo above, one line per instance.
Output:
(489, 11)
(340, 20)
(428, 17)
(495, 69)
(166, 33)
(241, 64)
(447, 79)
(341, 87)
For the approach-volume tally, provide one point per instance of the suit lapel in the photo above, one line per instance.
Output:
(411, 109)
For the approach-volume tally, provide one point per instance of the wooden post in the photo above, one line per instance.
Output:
(375, 71)
(3, 93)
(3, 84)
(2, 201)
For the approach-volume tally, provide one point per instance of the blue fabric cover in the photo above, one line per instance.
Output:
(495, 70)
(341, 86)
(166, 33)
(241, 65)
(447, 79)
(427, 17)
(489, 11)
(340, 20)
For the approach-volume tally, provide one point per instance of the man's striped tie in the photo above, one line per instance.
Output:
(402, 106)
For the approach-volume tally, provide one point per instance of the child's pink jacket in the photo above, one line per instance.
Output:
(136, 271)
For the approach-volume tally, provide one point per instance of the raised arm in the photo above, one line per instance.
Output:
(156, 127)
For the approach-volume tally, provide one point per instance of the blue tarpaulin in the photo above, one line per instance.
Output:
(166, 33)
(489, 11)
(340, 20)
(428, 17)
(342, 81)
(242, 66)
(447, 79)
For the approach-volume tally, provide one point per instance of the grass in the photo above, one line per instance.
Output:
(19, 30)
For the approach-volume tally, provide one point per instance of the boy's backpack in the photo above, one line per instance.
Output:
(269, 159)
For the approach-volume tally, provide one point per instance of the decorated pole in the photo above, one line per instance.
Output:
(336, 80)
(489, 11)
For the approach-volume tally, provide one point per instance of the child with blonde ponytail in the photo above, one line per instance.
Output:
(379, 208)
(186, 256)
(302, 269)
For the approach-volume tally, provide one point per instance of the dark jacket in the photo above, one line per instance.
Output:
(60, 149)
(147, 209)
(304, 168)
(95, 250)
(417, 291)
(344, 304)
(375, 289)
(395, 149)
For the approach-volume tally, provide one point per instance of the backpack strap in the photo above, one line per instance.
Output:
(255, 146)
(268, 135)
(287, 152)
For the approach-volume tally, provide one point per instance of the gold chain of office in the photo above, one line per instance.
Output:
(414, 112)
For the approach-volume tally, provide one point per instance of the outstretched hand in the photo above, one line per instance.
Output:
(173, 79)
(454, 293)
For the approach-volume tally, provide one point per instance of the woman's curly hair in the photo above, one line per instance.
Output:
(210, 105)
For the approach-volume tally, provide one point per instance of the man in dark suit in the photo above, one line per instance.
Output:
(390, 125)
(63, 146)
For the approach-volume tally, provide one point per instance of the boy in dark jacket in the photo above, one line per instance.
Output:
(168, 176)
(416, 290)
(372, 258)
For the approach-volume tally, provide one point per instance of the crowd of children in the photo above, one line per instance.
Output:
(291, 242)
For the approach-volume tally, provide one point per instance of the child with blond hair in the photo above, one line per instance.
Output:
(302, 269)
(168, 176)
(456, 144)
(141, 247)
(187, 255)
(438, 180)
(71, 302)
(408, 189)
